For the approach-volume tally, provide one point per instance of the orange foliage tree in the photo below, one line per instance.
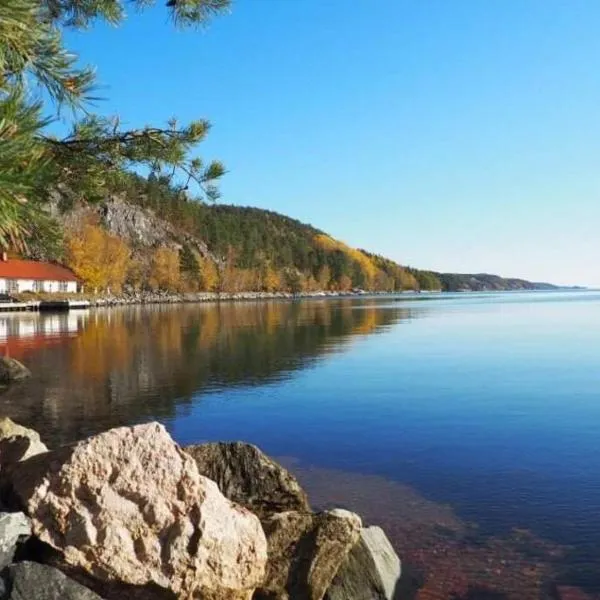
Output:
(101, 260)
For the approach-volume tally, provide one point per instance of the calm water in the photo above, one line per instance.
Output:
(488, 403)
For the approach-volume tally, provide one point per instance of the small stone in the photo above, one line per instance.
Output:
(11, 370)
(32, 581)
(249, 477)
(305, 552)
(18, 443)
(370, 572)
(14, 527)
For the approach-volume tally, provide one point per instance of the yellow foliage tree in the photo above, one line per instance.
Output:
(164, 270)
(98, 258)
(368, 268)
(209, 275)
(271, 280)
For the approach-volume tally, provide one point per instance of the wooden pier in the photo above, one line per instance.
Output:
(44, 305)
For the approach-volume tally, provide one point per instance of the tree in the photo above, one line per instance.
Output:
(270, 279)
(294, 281)
(324, 277)
(209, 275)
(97, 150)
(101, 260)
(345, 283)
(164, 272)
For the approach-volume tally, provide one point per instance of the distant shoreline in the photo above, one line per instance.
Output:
(208, 297)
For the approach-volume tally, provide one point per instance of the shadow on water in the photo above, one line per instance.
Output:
(106, 368)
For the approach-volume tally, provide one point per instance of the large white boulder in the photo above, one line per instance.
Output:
(129, 505)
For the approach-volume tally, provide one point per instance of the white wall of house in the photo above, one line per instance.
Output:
(35, 285)
(26, 285)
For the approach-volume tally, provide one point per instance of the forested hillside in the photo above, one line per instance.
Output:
(150, 235)
(214, 247)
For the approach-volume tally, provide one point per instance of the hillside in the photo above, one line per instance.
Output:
(148, 235)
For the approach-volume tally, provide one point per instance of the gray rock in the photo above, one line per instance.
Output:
(305, 552)
(14, 527)
(370, 572)
(32, 581)
(249, 477)
(12, 370)
(18, 443)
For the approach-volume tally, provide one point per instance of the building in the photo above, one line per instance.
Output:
(32, 276)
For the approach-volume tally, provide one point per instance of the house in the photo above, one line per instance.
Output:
(32, 276)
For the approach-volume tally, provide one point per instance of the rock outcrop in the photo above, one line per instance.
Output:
(305, 552)
(32, 581)
(249, 477)
(14, 527)
(11, 370)
(18, 443)
(129, 506)
(371, 570)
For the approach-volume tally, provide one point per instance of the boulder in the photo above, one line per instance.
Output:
(32, 581)
(129, 506)
(249, 477)
(14, 527)
(305, 552)
(18, 443)
(11, 370)
(371, 570)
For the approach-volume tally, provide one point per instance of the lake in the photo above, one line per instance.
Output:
(468, 425)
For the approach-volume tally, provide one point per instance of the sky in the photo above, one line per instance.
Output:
(457, 136)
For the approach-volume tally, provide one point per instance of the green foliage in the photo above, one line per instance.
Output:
(260, 240)
(427, 280)
(188, 264)
(98, 151)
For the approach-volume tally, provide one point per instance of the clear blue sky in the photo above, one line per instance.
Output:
(453, 135)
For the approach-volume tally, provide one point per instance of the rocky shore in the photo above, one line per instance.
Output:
(173, 298)
(130, 514)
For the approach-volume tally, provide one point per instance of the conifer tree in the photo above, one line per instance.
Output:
(36, 65)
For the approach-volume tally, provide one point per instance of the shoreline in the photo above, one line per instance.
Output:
(31, 301)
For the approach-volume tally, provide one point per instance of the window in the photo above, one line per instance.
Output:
(63, 286)
(12, 286)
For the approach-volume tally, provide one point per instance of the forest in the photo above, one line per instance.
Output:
(249, 249)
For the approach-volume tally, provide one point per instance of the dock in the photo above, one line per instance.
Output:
(44, 305)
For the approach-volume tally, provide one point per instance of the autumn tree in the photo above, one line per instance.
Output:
(209, 275)
(270, 280)
(345, 283)
(101, 260)
(164, 270)
(97, 150)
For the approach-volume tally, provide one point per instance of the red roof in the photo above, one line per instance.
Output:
(31, 269)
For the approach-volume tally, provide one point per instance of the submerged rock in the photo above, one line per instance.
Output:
(18, 443)
(371, 570)
(11, 370)
(32, 581)
(305, 552)
(129, 506)
(249, 477)
(14, 527)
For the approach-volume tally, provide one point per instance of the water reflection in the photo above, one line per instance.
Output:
(100, 369)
